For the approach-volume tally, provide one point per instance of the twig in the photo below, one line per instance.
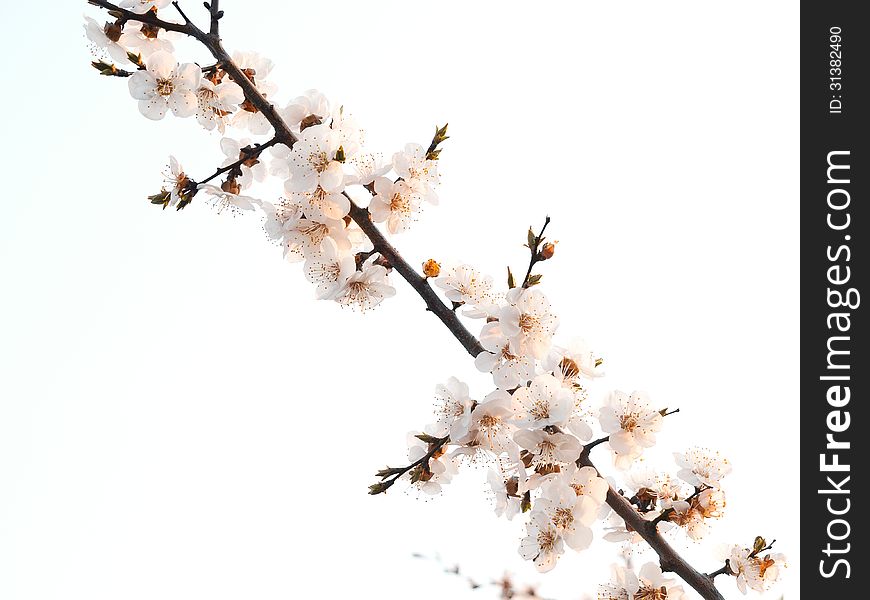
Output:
(254, 153)
(216, 14)
(666, 514)
(390, 475)
(670, 560)
(726, 570)
(534, 243)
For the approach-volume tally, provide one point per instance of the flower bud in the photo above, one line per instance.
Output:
(548, 250)
(113, 31)
(231, 186)
(431, 268)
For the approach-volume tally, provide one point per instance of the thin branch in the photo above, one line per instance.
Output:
(726, 570)
(535, 251)
(669, 559)
(149, 17)
(593, 443)
(666, 514)
(433, 303)
(216, 13)
(390, 475)
(254, 153)
(181, 12)
(360, 215)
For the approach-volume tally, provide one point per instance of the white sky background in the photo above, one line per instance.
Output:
(180, 419)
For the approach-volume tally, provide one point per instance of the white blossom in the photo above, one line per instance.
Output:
(140, 7)
(465, 284)
(311, 105)
(528, 322)
(631, 423)
(227, 201)
(584, 481)
(313, 161)
(252, 169)
(699, 466)
(508, 366)
(216, 102)
(543, 543)
(145, 40)
(257, 69)
(176, 181)
(648, 584)
(421, 173)
(368, 287)
(366, 167)
(571, 514)
(439, 468)
(548, 451)
(545, 402)
(305, 237)
(490, 424)
(507, 500)
(329, 269)
(165, 85)
(396, 203)
(101, 42)
(453, 410)
(755, 572)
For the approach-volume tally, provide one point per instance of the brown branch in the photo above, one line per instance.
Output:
(390, 475)
(433, 303)
(534, 243)
(670, 560)
(247, 155)
(216, 13)
(726, 570)
(359, 214)
(149, 17)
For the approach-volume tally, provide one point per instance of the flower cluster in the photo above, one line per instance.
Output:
(319, 171)
(753, 571)
(532, 425)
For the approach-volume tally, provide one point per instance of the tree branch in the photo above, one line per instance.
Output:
(534, 243)
(216, 14)
(390, 475)
(670, 560)
(254, 153)
(149, 17)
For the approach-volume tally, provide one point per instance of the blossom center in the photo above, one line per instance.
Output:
(165, 86)
(629, 422)
(399, 203)
(540, 410)
(547, 540)
(528, 322)
(563, 517)
(650, 593)
(318, 161)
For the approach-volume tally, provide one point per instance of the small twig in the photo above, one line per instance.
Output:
(665, 514)
(149, 17)
(755, 553)
(390, 475)
(254, 153)
(535, 252)
(216, 14)
(181, 12)
(726, 570)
